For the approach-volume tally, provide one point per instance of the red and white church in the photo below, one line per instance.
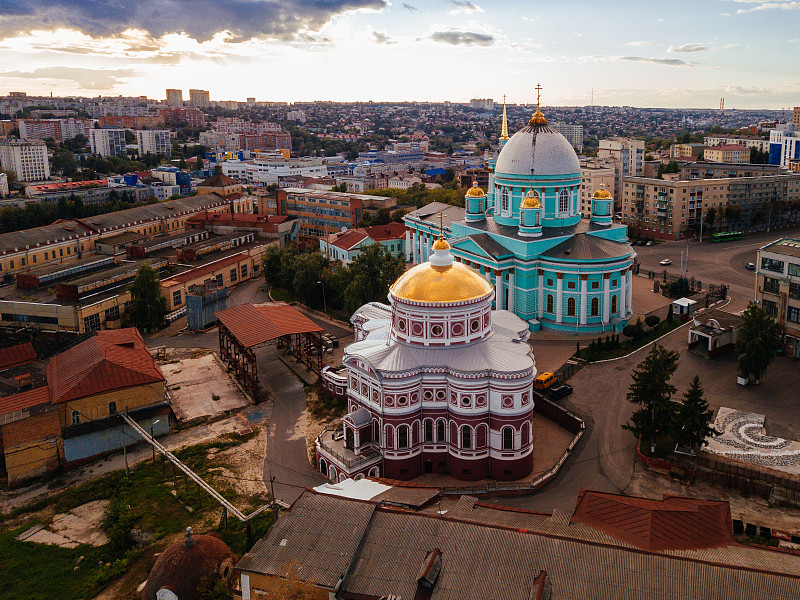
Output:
(436, 382)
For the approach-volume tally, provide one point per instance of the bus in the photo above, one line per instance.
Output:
(726, 236)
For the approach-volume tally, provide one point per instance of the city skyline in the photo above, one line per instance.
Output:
(361, 50)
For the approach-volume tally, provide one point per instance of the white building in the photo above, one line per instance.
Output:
(594, 173)
(3, 185)
(267, 171)
(154, 141)
(758, 143)
(199, 98)
(27, 160)
(784, 144)
(175, 97)
(107, 142)
(573, 133)
(628, 155)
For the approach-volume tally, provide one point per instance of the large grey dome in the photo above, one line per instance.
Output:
(537, 150)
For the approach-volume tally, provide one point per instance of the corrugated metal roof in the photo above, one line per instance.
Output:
(588, 247)
(23, 400)
(17, 355)
(254, 324)
(110, 360)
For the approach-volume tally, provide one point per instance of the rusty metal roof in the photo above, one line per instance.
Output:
(255, 324)
(23, 401)
(17, 355)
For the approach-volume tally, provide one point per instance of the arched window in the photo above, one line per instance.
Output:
(112, 408)
(331, 473)
(526, 434)
(595, 306)
(376, 432)
(613, 304)
(549, 303)
(536, 221)
(440, 431)
(563, 201)
(508, 438)
(571, 307)
(323, 466)
(428, 430)
(76, 417)
(466, 437)
(373, 472)
(402, 437)
(389, 436)
(504, 200)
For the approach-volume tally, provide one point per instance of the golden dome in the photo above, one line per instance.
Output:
(475, 191)
(537, 118)
(429, 283)
(602, 193)
(531, 201)
(441, 244)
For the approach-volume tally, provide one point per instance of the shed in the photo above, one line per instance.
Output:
(684, 307)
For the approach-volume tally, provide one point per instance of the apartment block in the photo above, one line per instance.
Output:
(685, 150)
(175, 97)
(58, 129)
(628, 155)
(594, 173)
(154, 141)
(673, 208)
(758, 143)
(129, 122)
(796, 116)
(3, 185)
(193, 117)
(727, 153)
(27, 160)
(573, 133)
(778, 288)
(199, 98)
(107, 142)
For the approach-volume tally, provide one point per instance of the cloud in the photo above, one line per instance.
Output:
(761, 5)
(409, 8)
(640, 44)
(382, 38)
(89, 79)
(462, 38)
(689, 48)
(672, 62)
(464, 6)
(200, 19)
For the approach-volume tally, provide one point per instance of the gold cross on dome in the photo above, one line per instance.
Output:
(538, 95)
(441, 225)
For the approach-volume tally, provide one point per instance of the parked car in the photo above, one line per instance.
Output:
(665, 262)
(750, 266)
(649, 243)
(559, 391)
(544, 380)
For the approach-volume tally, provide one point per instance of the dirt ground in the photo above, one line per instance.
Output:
(315, 420)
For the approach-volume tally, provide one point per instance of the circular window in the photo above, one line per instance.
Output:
(465, 401)
(402, 400)
(428, 395)
(401, 325)
(474, 325)
(458, 329)
(436, 330)
(440, 394)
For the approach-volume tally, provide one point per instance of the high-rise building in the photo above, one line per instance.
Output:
(107, 142)
(251, 101)
(3, 185)
(191, 116)
(58, 129)
(784, 144)
(796, 117)
(573, 133)
(27, 160)
(628, 155)
(482, 103)
(199, 98)
(154, 141)
(175, 97)
(595, 172)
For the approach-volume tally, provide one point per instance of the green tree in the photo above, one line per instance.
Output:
(308, 270)
(692, 420)
(756, 342)
(372, 271)
(64, 162)
(148, 306)
(652, 391)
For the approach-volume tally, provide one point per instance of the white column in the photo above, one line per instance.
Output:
(415, 247)
(623, 288)
(540, 304)
(512, 291)
(426, 248)
(409, 249)
(583, 299)
(606, 296)
(629, 291)
(498, 290)
(559, 297)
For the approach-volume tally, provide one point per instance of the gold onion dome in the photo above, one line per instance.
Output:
(602, 193)
(475, 191)
(531, 201)
(441, 244)
(429, 283)
(537, 118)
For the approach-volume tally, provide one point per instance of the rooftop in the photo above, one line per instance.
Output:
(787, 246)
(255, 324)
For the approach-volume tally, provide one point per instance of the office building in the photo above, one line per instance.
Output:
(175, 97)
(573, 133)
(154, 141)
(778, 288)
(107, 142)
(628, 155)
(199, 98)
(27, 160)
(784, 144)
(727, 153)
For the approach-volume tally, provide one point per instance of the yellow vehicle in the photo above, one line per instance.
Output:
(544, 380)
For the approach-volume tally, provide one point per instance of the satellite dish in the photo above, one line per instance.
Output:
(343, 229)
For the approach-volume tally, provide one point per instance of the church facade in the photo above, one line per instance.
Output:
(525, 235)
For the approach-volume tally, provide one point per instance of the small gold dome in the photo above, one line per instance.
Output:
(537, 118)
(429, 283)
(475, 191)
(441, 244)
(602, 193)
(531, 201)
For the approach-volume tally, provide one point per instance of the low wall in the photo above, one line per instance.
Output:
(777, 485)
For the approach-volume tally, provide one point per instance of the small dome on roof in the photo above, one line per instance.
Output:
(441, 244)
(602, 193)
(531, 200)
(475, 191)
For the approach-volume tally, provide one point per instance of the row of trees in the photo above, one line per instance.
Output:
(318, 282)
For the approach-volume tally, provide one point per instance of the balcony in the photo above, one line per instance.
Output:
(330, 445)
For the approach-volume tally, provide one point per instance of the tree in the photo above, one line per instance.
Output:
(692, 419)
(756, 342)
(373, 271)
(670, 314)
(652, 392)
(148, 306)
(652, 320)
(307, 273)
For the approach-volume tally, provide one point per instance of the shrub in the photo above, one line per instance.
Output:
(652, 320)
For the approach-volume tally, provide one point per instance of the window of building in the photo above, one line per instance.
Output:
(770, 264)
(112, 313)
(177, 300)
(793, 314)
(563, 201)
(92, 322)
(508, 438)
(243, 270)
(466, 437)
(233, 274)
(440, 432)
(571, 307)
(428, 431)
(613, 304)
(402, 437)
(794, 269)
(220, 280)
(770, 307)
(112, 408)
(595, 307)
(570, 285)
(76, 417)
(549, 303)
(772, 286)
(595, 285)
(794, 291)
(504, 200)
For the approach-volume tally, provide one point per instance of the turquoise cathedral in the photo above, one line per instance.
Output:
(525, 235)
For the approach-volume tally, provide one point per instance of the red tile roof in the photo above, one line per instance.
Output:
(17, 355)
(23, 400)
(111, 360)
(349, 239)
(254, 324)
(390, 231)
(673, 523)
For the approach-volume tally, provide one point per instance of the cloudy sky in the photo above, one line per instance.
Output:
(684, 53)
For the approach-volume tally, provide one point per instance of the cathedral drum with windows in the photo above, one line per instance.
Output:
(437, 382)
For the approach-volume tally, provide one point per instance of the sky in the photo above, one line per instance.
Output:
(684, 53)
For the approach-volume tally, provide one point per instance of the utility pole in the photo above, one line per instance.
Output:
(701, 221)
(125, 450)
(272, 492)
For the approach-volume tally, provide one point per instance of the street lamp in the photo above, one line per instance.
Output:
(152, 437)
(324, 302)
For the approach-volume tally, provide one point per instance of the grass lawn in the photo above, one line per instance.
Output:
(154, 499)
(606, 352)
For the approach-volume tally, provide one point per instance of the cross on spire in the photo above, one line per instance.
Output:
(538, 96)
(441, 225)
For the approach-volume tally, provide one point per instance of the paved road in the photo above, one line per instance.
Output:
(714, 263)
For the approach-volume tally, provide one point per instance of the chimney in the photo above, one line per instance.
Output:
(428, 574)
